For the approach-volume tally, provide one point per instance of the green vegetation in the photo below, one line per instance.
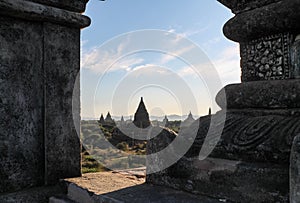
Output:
(98, 151)
(174, 125)
(90, 165)
(123, 146)
(107, 146)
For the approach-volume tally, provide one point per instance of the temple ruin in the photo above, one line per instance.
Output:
(256, 158)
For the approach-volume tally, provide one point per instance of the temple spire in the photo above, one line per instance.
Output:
(165, 121)
(190, 116)
(108, 119)
(101, 120)
(141, 116)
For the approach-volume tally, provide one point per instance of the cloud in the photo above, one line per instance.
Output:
(172, 56)
(211, 42)
(227, 64)
(150, 70)
(188, 33)
(100, 60)
(127, 64)
(182, 44)
(186, 71)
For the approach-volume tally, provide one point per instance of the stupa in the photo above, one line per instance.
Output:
(101, 120)
(141, 116)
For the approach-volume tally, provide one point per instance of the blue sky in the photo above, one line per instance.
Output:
(125, 55)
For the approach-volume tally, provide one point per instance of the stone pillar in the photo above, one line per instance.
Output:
(266, 31)
(295, 171)
(39, 63)
(251, 158)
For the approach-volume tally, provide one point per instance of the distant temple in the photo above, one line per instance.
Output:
(141, 116)
(188, 121)
(165, 121)
(101, 120)
(108, 121)
(122, 121)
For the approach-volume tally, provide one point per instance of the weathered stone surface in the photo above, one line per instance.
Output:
(37, 12)
(72, 5)
(267, 58)
(153, 194)
(116, 188)
(163, 138)
(238, 6)
(295, 57)
(279, 17)
(251, 158)
(295, 171)
(245, 137)
(168, 147)
(21, 105)
(60, 199)
(33, 195)
(249, 141)
(268, 95)
(62, 144)
(232, 180)
(39, 62)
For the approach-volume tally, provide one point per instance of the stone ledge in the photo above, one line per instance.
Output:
(276, 94)
(38, 12)
(274, 18)
(71, 5)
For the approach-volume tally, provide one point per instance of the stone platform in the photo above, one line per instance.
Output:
(117, 187)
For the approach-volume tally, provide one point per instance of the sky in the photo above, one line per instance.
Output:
(172, 53)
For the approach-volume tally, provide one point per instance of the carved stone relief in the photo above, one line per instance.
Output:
(266, 58)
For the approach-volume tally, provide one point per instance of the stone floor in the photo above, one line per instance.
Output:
(32, 195)
(124, 186)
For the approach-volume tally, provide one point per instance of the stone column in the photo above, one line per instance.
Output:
(266, 31)
(39, 63)
(251, 157)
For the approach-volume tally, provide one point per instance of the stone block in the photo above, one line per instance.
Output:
(280, 95)
(21, 104)
(62, 143)
(235, 181)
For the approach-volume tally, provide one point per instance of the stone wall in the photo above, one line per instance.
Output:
(39, 64)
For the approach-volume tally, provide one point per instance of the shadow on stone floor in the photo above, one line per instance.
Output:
(152, 193)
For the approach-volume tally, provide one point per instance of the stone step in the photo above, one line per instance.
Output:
(137, 194)
(111, 187)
